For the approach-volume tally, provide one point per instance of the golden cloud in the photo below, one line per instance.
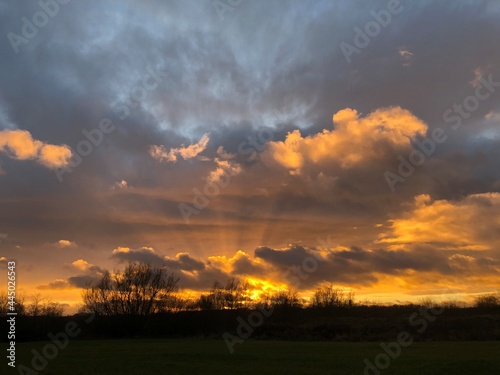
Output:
(354, 140)
(65, 243)
(469, 224)
(81, 265)
(189, 152)
(121, 249)
(20, 145)
(223, 167)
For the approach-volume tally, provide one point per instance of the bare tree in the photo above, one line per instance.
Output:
(43, 306)
(235, 294)
(329, 296)
(34, 308)
(231, 296)
(140, 289)
(4, 305)
(487, 301)
(285, 299)
(205, 302)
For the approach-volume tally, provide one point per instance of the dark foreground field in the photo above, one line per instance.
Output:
(203, 356)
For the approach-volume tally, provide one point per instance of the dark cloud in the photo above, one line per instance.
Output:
(203, 280)
(243, 266)
(58, 284)
(292, 256)
(357, 266)
(185, 262)
(83, 281)
(143, 255)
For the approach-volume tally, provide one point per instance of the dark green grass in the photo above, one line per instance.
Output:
(191, 356)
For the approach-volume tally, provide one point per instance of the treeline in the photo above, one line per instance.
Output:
(356, 323)
(144, 301)
(141, 289)
(144, 290)
(34, 305)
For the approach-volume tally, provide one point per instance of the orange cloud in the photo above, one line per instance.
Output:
(20, 145)
(121, 249)
(223, 167)
(81, 265)
(65, 243)
(354, 140)
(468, 224)
(189, 152)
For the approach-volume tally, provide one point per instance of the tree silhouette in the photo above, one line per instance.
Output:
(487, 301)
(40, 306)
(231, 296)
(35, 305)
(329, 296)
(285, 299)
(140, 289)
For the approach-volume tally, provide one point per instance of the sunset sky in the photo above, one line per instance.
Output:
(245, 140)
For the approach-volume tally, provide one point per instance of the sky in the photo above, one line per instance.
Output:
(289, 143)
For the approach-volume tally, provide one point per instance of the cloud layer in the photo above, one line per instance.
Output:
(239, 127)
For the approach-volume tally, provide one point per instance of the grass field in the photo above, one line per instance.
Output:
(190, 356)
